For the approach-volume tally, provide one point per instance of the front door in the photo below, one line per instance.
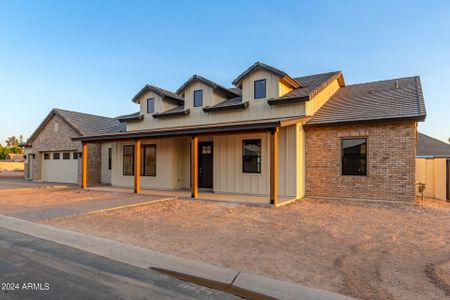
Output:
(205, 165)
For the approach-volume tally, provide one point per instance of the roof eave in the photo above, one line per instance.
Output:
(166, 115)
(131, 119)
(371, 121)
(290, 100)
(242, 105)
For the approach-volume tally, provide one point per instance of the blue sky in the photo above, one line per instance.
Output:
(94, 56)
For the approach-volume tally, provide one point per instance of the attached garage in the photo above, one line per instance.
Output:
(60, 167)
(53, 156)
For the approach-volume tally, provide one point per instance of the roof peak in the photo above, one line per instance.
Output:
(291, 81)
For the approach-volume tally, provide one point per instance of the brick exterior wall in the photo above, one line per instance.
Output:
(49, 140)
(391, 153)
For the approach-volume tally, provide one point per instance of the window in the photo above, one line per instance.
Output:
(56, 155)
(206, 149)
(56, 127)
(75, 155)
(109, 158)
(260, 89)
(148, 160)
(66, 155)
(251, 156)
(354, 157)
(46, 155)
(128, 160)
(150, 105)
(198, 98)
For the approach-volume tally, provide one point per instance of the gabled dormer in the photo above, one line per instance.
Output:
(199, 93)
(263, 82)
(155, 101)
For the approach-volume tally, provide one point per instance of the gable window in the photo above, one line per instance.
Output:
(354, 156)
(109, 158)
(150, 105)
(56, 155)
(66, 155)
(46, 155)
(148, 160)
(251, 156)
(198, 98)
(260, 89)
(56, 127)
(128, 160)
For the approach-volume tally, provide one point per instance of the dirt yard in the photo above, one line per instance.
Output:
(365, 250)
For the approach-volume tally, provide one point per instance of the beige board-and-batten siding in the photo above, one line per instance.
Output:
(173, 164)
(258, 109)
(390, 162)
(432, 172)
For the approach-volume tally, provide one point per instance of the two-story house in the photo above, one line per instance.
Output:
(271, 134)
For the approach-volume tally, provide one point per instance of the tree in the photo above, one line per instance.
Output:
(12, 141)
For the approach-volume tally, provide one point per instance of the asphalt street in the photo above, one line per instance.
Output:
(32, 268)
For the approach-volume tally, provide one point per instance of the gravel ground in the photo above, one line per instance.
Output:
(365, 250)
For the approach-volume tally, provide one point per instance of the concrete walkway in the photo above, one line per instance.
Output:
(227, 280)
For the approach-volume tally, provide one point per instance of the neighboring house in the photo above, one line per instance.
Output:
(51, 154)
(271, 134)
(433, 166)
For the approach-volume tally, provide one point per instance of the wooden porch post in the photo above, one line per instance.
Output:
(137, 166)
(274, 166)
(84, 170)
(194, 166)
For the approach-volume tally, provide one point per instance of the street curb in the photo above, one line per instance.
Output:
(235, 282)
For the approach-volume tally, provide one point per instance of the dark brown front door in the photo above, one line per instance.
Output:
(205, 165)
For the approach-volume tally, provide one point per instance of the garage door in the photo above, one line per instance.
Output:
(60, 167)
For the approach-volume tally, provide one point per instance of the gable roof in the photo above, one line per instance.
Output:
(431, 147)
(311, 86)
(83, 124)
(159, 91)
(216, 87)
(393, 99)
(270, 69)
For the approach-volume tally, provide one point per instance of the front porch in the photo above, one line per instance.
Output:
(258, 163)
(203, 195)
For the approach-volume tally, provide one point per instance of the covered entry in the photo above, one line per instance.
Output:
(60, 167)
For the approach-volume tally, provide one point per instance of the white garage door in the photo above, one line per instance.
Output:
(60, 167)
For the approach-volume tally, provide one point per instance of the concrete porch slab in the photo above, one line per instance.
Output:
(203, 195)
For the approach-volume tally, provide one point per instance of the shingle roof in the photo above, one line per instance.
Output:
(130, 117)
(431, 147)
(217, 87)
(82, 123)
(159, 91)
(88, 124)
(270, 69)
(310, 86)
(380, 100)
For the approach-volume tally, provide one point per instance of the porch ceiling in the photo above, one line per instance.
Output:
(231, 127)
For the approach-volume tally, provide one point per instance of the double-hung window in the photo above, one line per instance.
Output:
(251, 156)
(354, 156)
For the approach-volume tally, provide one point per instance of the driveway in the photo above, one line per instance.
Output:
(33, 268)
(41, 201)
